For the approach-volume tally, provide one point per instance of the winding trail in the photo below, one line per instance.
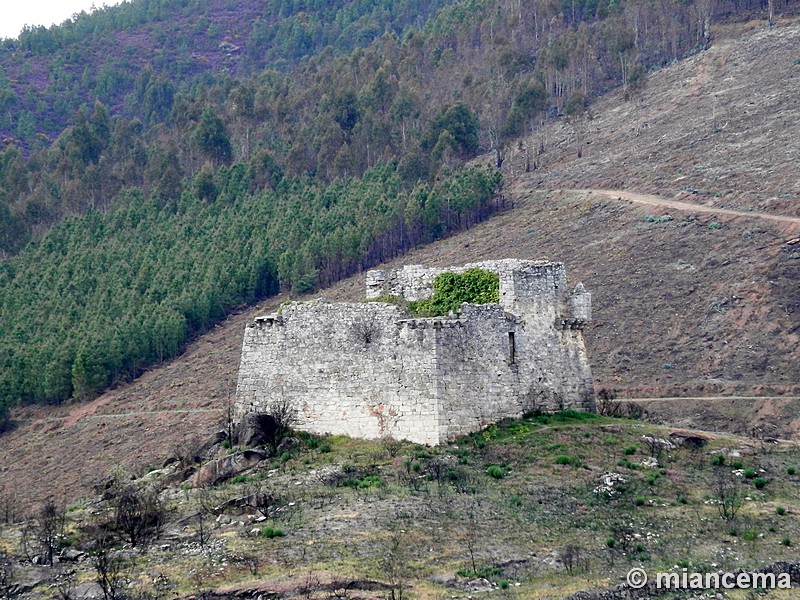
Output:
(652, 200)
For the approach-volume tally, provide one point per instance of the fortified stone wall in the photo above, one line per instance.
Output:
(352, 369)
(369, 370)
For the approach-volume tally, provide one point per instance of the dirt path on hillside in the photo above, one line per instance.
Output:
(651, 200)
(706, 398)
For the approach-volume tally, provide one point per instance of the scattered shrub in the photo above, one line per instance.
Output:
(226, 444)
(786, 541)
(324, 448)
(749, 473)
(780, 510)
(271, 532)
(718, 460)
(495, 472)
(714, 225)
(240, 479)
(640, 500)
(369, 481)
(760, 483)
(630, 450)
(563, 459)
(750, 535)
(311, 442)
(790, 470)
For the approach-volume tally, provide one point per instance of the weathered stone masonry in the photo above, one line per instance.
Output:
(369, 370)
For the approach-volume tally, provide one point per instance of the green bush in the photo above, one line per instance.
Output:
(495, 472)
(309, 440)
(240, 479)
(737, 464)
(787, 541)
(369, 481)
(790, 470)
(640, 500)
(563, 459)
(780, 510)
(749, 473)
(610, 542)
(760, 483)
(630, 450)
(750, 535)
(714, 225)
(324, 448)
(718, 460)
(271, 532)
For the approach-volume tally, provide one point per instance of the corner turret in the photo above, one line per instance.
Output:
(580, 304)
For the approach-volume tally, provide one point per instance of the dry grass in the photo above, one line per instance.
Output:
(515, 527)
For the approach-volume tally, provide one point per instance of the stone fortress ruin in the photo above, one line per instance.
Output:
(370, 370)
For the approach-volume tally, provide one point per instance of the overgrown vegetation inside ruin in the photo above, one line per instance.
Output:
(450, 291)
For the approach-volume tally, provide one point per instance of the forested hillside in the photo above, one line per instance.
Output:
(144, 94)
(200, 177)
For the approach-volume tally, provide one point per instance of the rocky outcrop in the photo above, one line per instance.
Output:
(229, 466)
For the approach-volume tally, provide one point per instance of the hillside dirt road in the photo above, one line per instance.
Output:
(649, 199)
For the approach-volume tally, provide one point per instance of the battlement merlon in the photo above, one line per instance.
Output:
(526, 286)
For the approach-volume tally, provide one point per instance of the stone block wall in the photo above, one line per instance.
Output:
(369, 370)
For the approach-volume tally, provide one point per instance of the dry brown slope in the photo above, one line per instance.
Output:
(719, 128)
